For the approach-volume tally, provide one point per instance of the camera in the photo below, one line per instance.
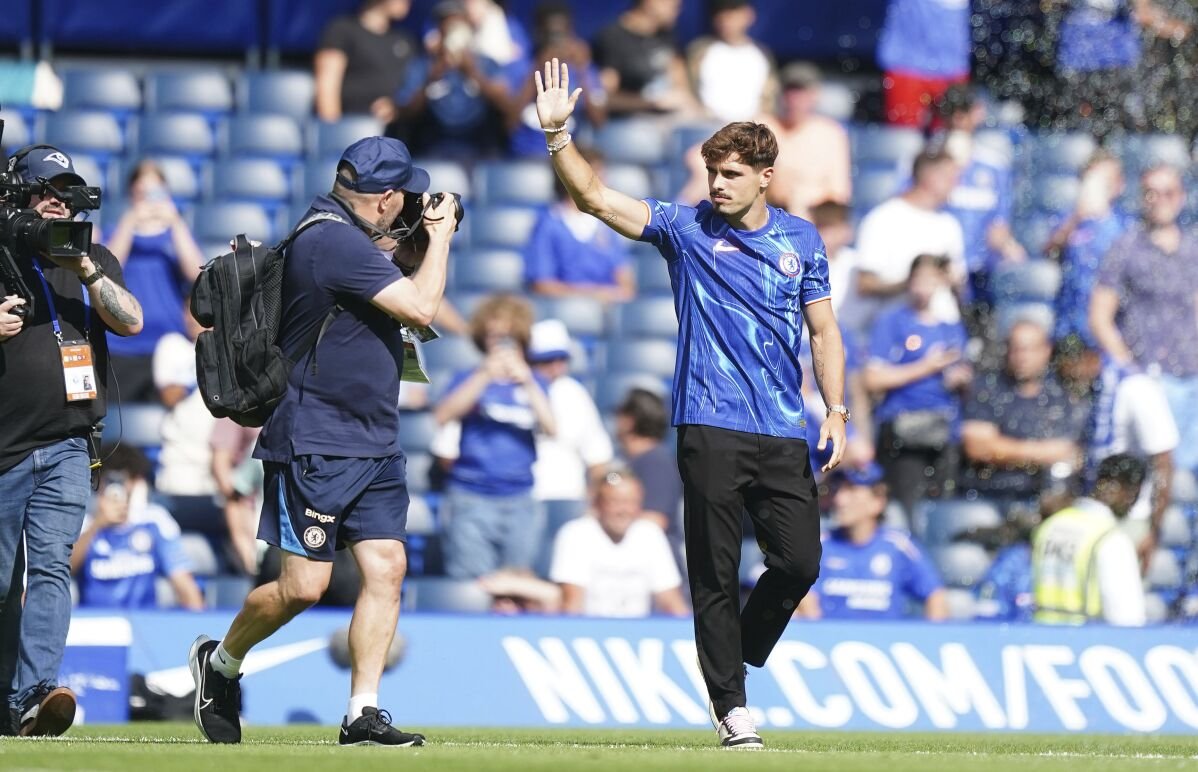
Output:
(23, 231)
(415, 207)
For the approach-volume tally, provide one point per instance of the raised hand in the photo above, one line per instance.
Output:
(555, 103)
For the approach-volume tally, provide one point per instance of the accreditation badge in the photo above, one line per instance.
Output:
(79, 371)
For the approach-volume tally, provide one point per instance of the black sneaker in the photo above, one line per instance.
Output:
(48, 712)
(218, 699)
(374, 728)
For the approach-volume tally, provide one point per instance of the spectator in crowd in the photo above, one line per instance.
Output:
(923, 49)
(555, 38)
(1004, 593)
(731, 73)
(516, 592)
(580, 451)
(493, 520)
(186, 458)
(1020, 424)
(1145, 302)
(640, 68)
(361, 60)
(572, 254)
(452, 99)
(870, 571)
(912, 223)
(499, 37)
(1128, 415)
(834, 222)
(616, 564)
(642, 422)
(238, 477)
(1084, 566)
(982, 199)
(1167, 65)
(160, 259)
(128, 542)
(1083, 239)
(1098, 47)
(917, 365)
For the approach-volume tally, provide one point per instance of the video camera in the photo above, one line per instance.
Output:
(414, 209)
(24, 232)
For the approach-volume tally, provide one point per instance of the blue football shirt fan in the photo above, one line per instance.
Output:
(335, 476)
(123, 563)
(746, 278)
(870, 571)
(1005, 592)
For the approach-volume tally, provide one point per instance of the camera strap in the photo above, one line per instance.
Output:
(87, 306)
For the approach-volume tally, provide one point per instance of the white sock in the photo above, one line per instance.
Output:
(225, 663)
(359, 701)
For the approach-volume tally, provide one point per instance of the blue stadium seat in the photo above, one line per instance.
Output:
(629, 179)
(583, 317)
(885, 146)
(257, 179)
(612, 388)
(181, 177)
(277, 92)
(426, 593)
(420, 517)
(418, 467)
(180, 134)
(652, 275)
(1164, 570)
(514, 182)
(937, 523)
(1034, 280)
(1141, 151)
(681, 140)
(448, 176)
(489, 270)
(221, 222)
(652, 357)
(466, 302)
(1038, 313)
(874, 185)
(1056, 193)
(135, 423)
(1061, 152)
(227, 591)
(1035, 231)
(331, 139)
(319, 175)
(647, 318)
(202, 91)
(199, 554)
(1185, 487)
(94, 172)
(265, 136)
(18, 132)
(1176, 530)
(837, 101)
(961, 564)
(452, 353)
(87, 130)
(114, 90)
(961, 604)
(632, 141)
(998, 144)
(503, 226)
(1156, 608)
(416, 430)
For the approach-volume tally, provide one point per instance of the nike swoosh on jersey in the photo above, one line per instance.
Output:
(724, 246)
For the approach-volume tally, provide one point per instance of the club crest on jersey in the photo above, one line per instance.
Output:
(788, 263)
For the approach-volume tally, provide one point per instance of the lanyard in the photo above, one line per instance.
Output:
(87, 308)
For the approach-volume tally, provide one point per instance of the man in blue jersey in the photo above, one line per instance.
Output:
(745, 278)
(870, 571)
(335, 476)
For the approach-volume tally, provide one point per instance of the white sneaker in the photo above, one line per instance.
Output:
(738, 732)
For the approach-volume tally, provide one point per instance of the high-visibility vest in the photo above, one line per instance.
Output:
(1064, 566)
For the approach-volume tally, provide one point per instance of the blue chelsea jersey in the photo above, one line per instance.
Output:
(876, 580)
(739, 297)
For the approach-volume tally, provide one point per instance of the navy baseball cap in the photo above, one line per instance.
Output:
(43, 161)
(869, 475)
(383, 164)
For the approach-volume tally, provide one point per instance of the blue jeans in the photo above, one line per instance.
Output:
(43, 498)
(486, 533)
(1182, 396)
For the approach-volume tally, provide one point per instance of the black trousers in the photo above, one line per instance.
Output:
(725, 473)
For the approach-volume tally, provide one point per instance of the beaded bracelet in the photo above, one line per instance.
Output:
(555, 129)
(556, 147)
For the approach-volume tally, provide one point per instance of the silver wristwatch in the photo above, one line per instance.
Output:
(841, 409)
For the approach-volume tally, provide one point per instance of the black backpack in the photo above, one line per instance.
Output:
(240, 370)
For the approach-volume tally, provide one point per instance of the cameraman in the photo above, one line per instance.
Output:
(334, 472)
(44, 452)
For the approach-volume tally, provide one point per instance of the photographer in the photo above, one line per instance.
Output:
(334, 472)
(53, 384)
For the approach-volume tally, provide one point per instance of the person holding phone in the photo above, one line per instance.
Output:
(916, 362)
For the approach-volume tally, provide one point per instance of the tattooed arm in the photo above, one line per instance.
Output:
(112, 302)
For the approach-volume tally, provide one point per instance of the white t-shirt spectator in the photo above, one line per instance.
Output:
(185, 464)
(618, 579)
(560, 472)
(731, 79)
(896, 232)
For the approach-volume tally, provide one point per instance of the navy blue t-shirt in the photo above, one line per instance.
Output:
(739, 297)
(899, 338)
(347, 405)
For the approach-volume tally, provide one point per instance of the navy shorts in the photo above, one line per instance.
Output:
(316, 505)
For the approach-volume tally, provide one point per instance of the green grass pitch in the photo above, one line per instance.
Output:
(170, 747)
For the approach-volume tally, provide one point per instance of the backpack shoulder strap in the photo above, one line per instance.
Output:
(308, 223)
